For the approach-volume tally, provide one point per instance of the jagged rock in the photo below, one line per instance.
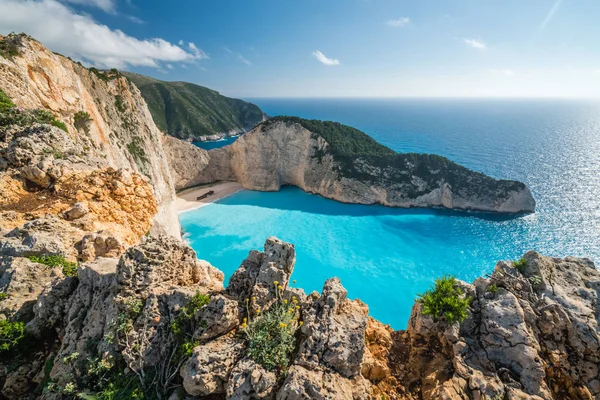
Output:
(219, 316)
(46, 235)
(534, 336)
(79, 210)
(23, 281)
(335, 331)
(162, 262)
(249, 381)
(100, 244)
(257, 274)
(208, 369)
(315, 384)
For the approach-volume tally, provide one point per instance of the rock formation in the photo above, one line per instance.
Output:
(531, 332)
(350, 167)
(107, 120)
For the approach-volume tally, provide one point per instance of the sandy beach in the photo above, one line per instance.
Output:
(187, 199)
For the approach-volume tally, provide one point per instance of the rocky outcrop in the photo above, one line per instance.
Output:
(108, 124)
(353, 168)
(532, 333)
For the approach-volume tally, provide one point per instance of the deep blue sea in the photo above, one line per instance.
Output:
(386, 256)
(216, 144)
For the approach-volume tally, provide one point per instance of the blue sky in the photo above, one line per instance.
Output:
(333, 48)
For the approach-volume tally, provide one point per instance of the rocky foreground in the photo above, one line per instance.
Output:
(530, 334)
(344, 164)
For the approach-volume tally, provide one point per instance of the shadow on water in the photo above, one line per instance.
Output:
(291, 198)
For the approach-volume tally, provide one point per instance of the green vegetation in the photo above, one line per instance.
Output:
(120, 104)
(82, 120)
(520, 264)
(10, 46)
(3, 296)
(55, 260)
(12, 115)
(493, 288)
(185, 110)
(184, 326)
(137, 151)
(106, 75)
(11, 334)
(347, 145)
(271, 335)
(445, 300)
(535, 280)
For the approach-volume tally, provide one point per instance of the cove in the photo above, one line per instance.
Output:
(384, 256)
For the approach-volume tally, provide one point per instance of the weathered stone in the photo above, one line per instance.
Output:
(79, 210)
(249, 380)
(208, 369)
(219, 316)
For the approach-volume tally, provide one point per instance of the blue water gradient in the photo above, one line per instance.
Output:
(385, 256)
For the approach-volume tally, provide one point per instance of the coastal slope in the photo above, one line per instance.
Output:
(195, 113)
(107, 121)
(345, 164)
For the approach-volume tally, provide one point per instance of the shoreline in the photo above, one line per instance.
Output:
(186, 200)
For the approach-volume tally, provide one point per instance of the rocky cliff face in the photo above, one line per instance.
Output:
(284, 152)
(107, 120)
(531, 332)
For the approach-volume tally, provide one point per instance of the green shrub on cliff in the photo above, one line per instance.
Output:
(11, 334)
(271, 335)
(54, 260)
(520, 264)
(445, 300)
(12, 115)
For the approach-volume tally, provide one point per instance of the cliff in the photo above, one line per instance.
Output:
(195, 113)
(344, 164)
(107, 120)
(158, 323)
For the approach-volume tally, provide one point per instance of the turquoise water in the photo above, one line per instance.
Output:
(385, 256)
(216, 144)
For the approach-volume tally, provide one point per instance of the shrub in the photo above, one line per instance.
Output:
(55, 260)
(82, 120)
(271, 335)
(493, 288)
(10, 46)
(445, 300)
(12, 115)
(11, 334)
(119, 103)
(3, 296)
(520, 264)
(137, 151)
(183, 326)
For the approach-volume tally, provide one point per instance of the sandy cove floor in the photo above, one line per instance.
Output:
(186, 199)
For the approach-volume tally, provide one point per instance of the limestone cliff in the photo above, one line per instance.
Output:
(344, 164)
(105, 115)
(531, 332)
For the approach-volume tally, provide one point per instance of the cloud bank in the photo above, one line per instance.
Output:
(80, 37)
(323, 59)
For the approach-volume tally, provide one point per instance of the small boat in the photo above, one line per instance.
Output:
(205, 195)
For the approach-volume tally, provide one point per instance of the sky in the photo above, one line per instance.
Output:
(332, 48)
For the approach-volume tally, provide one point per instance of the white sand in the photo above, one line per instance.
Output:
(186, 199)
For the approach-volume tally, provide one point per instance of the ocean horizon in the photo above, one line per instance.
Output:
(386, 256)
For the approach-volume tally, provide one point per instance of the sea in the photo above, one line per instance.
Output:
(387, 256)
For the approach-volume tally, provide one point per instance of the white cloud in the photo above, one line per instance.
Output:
(324, 59)
(106, 5)
(398, 23)
(82, 38)
(136, 20)
(474, 43)
(243, 59)
(502, 71)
